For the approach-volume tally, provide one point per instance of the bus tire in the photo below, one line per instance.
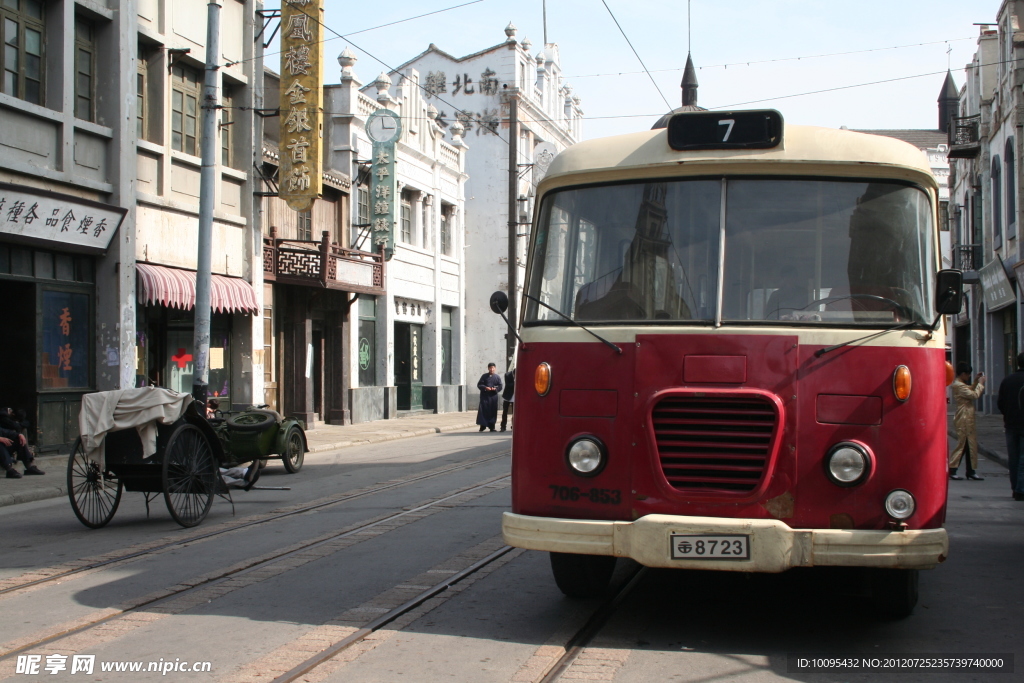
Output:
(582, 576)
(893, 591)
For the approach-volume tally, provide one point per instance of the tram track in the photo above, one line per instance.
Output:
(161, 546)
(552, 670)
(177, 600)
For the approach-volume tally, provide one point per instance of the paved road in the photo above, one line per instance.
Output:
(259, 601)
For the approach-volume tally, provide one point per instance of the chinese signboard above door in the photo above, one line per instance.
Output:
(45, 218)
(996, 286)
(301, 88)
(384, 128)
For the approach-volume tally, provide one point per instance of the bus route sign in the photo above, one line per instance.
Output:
(755, 129)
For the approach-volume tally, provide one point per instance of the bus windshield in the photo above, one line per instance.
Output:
(796, 252)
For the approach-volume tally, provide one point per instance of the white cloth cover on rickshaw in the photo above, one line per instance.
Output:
(110, 411)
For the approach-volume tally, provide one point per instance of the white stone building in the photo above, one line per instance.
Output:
(471, 97)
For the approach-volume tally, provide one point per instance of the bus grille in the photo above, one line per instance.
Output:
(711, 444)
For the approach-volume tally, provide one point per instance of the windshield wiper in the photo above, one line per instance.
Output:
(902, 326)
(603, 340)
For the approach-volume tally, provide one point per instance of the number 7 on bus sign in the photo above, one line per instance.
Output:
(730, 123)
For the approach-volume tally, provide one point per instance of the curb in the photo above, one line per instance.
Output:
(991, 455)
(33, 495)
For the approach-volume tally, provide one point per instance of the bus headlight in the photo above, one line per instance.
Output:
(847, 464)
(899, 504)
(586, 456)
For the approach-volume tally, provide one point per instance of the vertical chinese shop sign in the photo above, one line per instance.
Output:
(384, 128)
(301, 114)
(65, 328)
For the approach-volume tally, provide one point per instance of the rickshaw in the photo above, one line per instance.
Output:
(185, 468)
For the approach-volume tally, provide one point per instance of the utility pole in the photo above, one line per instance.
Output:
(513, 222)
(207, 187)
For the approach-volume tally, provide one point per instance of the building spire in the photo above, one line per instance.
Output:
(949, 102)
(689, 83)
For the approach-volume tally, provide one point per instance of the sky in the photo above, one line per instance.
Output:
(749, 53)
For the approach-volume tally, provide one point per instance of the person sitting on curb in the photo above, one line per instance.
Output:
(15, 446)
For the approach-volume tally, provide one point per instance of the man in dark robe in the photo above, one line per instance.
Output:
(490, 388)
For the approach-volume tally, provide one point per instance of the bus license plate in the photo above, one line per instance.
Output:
(707, 547)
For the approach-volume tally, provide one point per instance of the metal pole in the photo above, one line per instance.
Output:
(207, 187)
(513, 222)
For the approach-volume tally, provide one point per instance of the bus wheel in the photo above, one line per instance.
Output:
(582, 576)
(893, 591)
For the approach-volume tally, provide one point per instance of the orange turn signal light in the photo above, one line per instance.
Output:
(950, 376)
(901, 383)
(542, 379)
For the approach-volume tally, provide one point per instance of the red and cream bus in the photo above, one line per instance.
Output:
(731, 356)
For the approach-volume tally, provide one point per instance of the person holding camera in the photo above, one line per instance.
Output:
(964, 396)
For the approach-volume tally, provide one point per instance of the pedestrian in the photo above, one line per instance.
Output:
(490, 388)
(509, 396)
(1011, 405)
(14, 446)
(966, 433)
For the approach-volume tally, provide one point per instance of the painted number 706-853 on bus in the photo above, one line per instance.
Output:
(575, 493)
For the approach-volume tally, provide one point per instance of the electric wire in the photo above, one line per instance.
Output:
(630, 43)
(467, 116)
(362, 30)
(778, 59)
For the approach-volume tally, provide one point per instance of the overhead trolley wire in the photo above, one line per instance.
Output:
(636, 53)
(778, 59)
(391, 69)
(363, 30)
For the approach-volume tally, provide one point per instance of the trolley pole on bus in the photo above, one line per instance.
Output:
(207, 187)
(513, 224)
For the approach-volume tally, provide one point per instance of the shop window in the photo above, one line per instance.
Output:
(141, 75)
(446, 344)
(66, 331)
(305, 225)
(227, 101)
(85, 70)
(447, 225)
(366, 348)
(179, 365)
(361, 229)
(997, 201)
(406, 218)
(185, 95)
(21, 31)
(1011, 190)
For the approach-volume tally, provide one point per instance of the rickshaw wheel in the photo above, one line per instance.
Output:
(93, 498)
(294, 450)
(189, 476)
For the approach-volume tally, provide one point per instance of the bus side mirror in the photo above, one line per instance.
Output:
(499, 302)
(949, 292)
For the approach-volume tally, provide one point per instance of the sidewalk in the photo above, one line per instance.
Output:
(323, 438)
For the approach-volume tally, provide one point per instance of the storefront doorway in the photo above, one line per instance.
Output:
(48, 339)
(409, 366)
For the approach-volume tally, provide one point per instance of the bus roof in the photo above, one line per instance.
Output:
(805, 150)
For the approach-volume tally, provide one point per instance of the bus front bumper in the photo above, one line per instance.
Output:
(771, 545)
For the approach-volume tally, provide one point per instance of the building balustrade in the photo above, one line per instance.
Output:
(322, 264)
(967, 257)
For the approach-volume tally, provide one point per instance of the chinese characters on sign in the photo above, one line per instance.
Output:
(383, 182)
(485, 121)
(301, 127)
(36, 215)
(996, 286)
(66, 333)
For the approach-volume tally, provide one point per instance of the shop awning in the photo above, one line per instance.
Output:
(176, 288)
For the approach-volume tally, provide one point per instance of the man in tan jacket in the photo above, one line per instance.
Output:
(964, 396)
